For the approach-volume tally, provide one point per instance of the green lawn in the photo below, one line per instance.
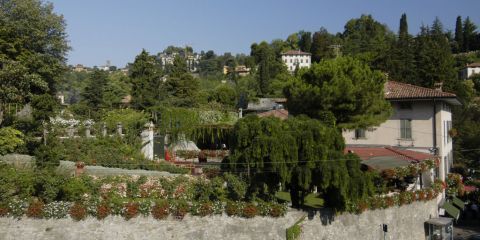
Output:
(312, 200)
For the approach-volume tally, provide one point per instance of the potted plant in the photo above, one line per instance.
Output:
(80, 168)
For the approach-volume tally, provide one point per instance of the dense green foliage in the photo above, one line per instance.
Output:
(344, 88)
(298, 153)
(33, 46)
(10, 140)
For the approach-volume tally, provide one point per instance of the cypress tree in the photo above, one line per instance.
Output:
(458, 35)
(403, 30)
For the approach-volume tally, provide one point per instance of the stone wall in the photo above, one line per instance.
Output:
(403, 223)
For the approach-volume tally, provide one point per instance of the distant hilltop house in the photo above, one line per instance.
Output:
(420, 127)
(80, 68)
(192, 60)
(241, 70)
(469, 70)
(296, 58)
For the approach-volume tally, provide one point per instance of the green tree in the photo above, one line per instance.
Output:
(181, 87)
(458, 35)
(10, 140)
(145, 77)
(292, 41)
(44, 106)
(400, 62)
(367, 39)
(321, 45)
(344, 88)
(469, 35)
(299, 153)
(434, 59)
(33, 49)
(116, 89)
(305, 42)
(225, 95)
(93, 94)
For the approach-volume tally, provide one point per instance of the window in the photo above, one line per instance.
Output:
(406, 128)
(301, 60)
(290, 60)
(360, 133)
(406, 105)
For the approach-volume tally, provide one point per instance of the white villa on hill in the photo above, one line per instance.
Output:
(469, 70)
(296, 58)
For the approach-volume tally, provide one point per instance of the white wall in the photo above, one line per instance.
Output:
(469, 71)
(388, 133)
(292, 60)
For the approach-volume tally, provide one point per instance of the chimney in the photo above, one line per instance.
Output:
(438, 86)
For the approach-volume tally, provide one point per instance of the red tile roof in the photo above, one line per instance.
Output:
(279, 113)
(473, 65)
(367, 153)
(398, 90)
(295, 52)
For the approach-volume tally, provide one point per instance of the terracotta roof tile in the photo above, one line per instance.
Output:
(279, 113)
(398, 90)
(295, 52)
(366, 153)
(474, 65)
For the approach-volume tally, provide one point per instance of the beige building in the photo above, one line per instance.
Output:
(296, 58)
(469, 70)
(421, 122)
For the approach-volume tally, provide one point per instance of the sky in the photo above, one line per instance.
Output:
(117, 30)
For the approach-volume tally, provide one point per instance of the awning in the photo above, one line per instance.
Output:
(451, 210)
(458, 203)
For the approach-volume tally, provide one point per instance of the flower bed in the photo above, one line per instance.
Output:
(399, 199)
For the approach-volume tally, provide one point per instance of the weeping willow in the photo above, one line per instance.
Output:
(194, 123)
(300, 153)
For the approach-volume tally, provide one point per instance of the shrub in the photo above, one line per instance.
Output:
(218, 207)
(76, 187)
(103, 210)
(362, 206)
(3, 211)
(47, 156)
(160, 210)
(35, 209)
(48, 185)
(232, 208)
(130, 210)
(389, 201)
(10, 140)
(78, 212)
(56, 210)
(17, 207)
(236, 187)
(181, 209)
(145, 207)
(277, 210)
(206, 209)
(250, 210)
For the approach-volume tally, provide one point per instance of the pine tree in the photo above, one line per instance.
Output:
(146, 82)
(181, 87)
(469, 35)
(458, 35)
(344, 88)
(95, 89)
(305, 41)
(321, 43)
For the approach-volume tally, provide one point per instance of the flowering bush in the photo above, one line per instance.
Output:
(103, 210)
(17, 207)
(160, 210)
(35, 209)
(180, 209)
(218, 207)
(233, 208)
(277, 210)
(455, 185)
(78, 212)
(130, 210)
(145, 207)
(249, 210)
(206, 209)
(56, 210)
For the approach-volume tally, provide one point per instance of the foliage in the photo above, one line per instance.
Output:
(10, 140)
(181, 86)
(130, 210)
(132, 121)
(160, 210)
(78, 212)
(367, 39)
(33, 49)
(44, 106)
(294, 231)
(147, 86)
(93, 94)
(236, 187)
(249, 210)
(344, 88)
(47, 156)
(298, 153)
(35, 209)
(455, 185)
(15, 183)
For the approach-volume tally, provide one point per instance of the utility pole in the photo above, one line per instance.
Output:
(336, 49)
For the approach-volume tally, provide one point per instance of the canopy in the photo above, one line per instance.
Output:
(451, 210)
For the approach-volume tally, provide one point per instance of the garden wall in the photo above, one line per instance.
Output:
(404, 222)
